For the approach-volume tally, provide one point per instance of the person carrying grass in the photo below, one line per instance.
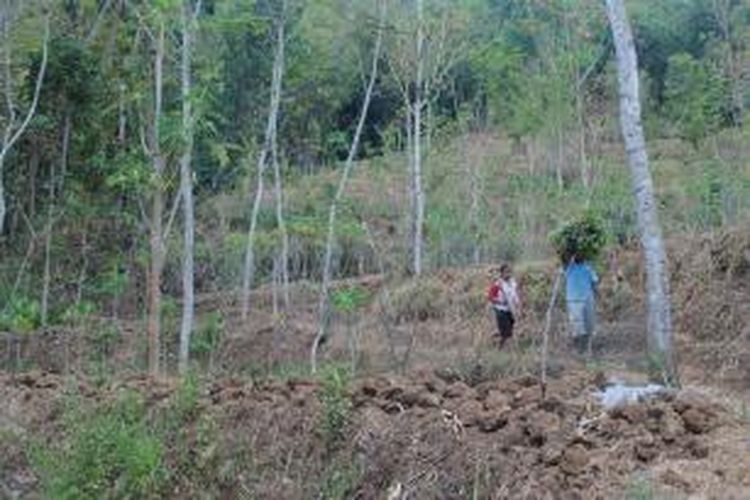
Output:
(581, 284)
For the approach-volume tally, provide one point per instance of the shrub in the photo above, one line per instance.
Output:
(336, 404)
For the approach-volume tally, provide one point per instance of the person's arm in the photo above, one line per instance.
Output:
(519, 300)
(594, 281)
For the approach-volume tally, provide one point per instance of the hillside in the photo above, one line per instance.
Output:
(430, 410)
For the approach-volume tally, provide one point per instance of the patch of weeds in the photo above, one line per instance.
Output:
(208, 336)
(184, 402)
(336, 404)
(108, 452)
(420, 300)
(640, 488)
(282, 371)
(104, 340)
(492, 365)
(340, 480)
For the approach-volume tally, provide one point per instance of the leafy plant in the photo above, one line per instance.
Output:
(336, 404)
(208, 335)
(20, 315)
(349, 299)
(340, 479)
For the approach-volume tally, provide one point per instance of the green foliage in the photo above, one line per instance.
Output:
(78, 312)
(348, 299)
(109, 453)
(583, 238)
(696, 97)
(184, 403)
(336, 403)
(20, 315)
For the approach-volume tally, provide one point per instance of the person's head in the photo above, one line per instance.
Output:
(506, 272)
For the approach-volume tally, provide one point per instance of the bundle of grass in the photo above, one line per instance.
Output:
(582, 238)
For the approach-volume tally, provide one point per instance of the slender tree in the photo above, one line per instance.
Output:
(248, 274)
(189, 19)
(417, 194)
(323, 304)
(657, 281)
(278, 188)
(156, 233)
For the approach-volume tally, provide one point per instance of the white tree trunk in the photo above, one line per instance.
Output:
(417, 192)
(156, 237)
(186, 189)
(11, 133)
(323, 305)
(278, 189)
(657, 280)
(248, 274)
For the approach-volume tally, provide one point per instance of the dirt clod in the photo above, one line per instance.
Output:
(697, 420)
(574, 460)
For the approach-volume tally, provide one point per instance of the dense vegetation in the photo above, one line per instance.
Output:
(519, 135)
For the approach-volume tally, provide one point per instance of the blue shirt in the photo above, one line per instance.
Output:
(580, 281)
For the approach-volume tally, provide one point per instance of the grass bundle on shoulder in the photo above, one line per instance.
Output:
(583, 237)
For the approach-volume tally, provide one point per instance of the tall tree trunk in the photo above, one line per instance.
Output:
(156, 247)
(417, 192)
(278, 189)
(57, 182)
(657, 281)
(186, 188)
(248, 274)
(156, 238)
(323, 305)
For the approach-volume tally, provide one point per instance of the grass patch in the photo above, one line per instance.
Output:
(110, 452)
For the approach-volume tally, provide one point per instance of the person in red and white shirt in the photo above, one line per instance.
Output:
(506, 303)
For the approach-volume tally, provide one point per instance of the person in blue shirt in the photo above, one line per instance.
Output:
(580, 294)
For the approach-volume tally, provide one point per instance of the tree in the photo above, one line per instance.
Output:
(323, 306)
(189, 18)
(420, 67)
(269, 142)
(14, 130)
(657, 280)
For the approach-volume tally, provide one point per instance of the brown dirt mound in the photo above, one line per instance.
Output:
(428, 436)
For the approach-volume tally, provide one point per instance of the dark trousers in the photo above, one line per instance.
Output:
(505, 322)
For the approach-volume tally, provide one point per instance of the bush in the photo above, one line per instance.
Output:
(583, 238)
(336, 404)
